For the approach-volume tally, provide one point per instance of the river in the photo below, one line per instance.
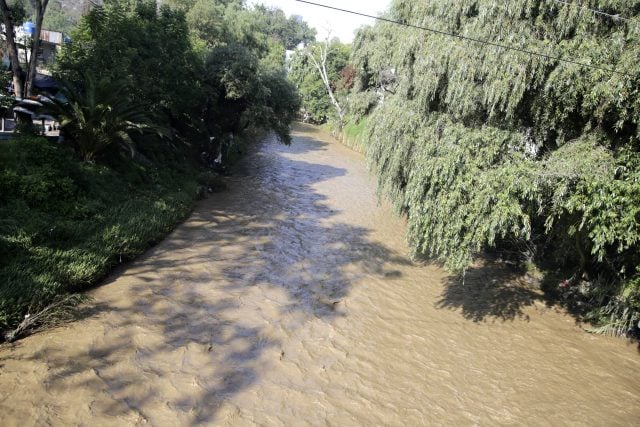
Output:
(290, 300)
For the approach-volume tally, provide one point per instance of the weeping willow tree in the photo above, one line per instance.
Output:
(484, 147)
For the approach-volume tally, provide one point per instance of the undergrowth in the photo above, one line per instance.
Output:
(64, 224)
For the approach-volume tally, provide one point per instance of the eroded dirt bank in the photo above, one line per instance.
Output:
(289, 300)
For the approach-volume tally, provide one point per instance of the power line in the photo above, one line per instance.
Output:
(615, 17)
(486, 42)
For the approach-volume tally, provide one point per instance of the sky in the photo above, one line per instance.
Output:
(342, 25)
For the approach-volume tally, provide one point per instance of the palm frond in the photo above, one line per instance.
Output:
(94, 114)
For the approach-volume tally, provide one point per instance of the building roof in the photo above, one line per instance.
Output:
(54, 37)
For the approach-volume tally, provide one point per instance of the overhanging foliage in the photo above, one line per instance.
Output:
(482, 147)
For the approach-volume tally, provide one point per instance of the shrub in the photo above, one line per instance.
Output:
(66, 223)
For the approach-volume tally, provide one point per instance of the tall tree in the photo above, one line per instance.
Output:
(290, 32)
(8, 20)
(318, 55)
(10, 17)
(140, 45)
(40, 7)
(316, 72)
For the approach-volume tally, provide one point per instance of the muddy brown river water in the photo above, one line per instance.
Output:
(289, 300)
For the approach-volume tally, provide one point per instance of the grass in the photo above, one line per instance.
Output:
(352, 134)
(64, 224)
(354, 131)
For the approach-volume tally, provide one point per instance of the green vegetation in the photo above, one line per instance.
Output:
(288, 32)
(97, 115)
(353, 134)
(66, 223)
(316, 99)
(487, 149)
(145, 89)
(61, 15)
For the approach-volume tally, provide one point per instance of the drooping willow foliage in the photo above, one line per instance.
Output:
(484, 147)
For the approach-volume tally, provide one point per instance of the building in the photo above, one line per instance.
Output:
(50, 44)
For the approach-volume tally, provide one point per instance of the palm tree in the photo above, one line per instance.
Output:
(94, 115)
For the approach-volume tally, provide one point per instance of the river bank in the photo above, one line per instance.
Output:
(66, 223)
(289, 299)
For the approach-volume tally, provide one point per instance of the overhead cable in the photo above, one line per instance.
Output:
(615, 17)
(472, 39)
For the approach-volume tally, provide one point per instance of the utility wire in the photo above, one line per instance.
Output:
(616, 17)
(486, 42)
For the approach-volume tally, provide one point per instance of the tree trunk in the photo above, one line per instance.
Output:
(16, 70)
(321, 66)
(40, 8)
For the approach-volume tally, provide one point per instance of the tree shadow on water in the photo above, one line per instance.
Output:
(489, 292)
(209, 309)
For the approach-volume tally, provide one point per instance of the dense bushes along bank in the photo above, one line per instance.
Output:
(66, 223)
